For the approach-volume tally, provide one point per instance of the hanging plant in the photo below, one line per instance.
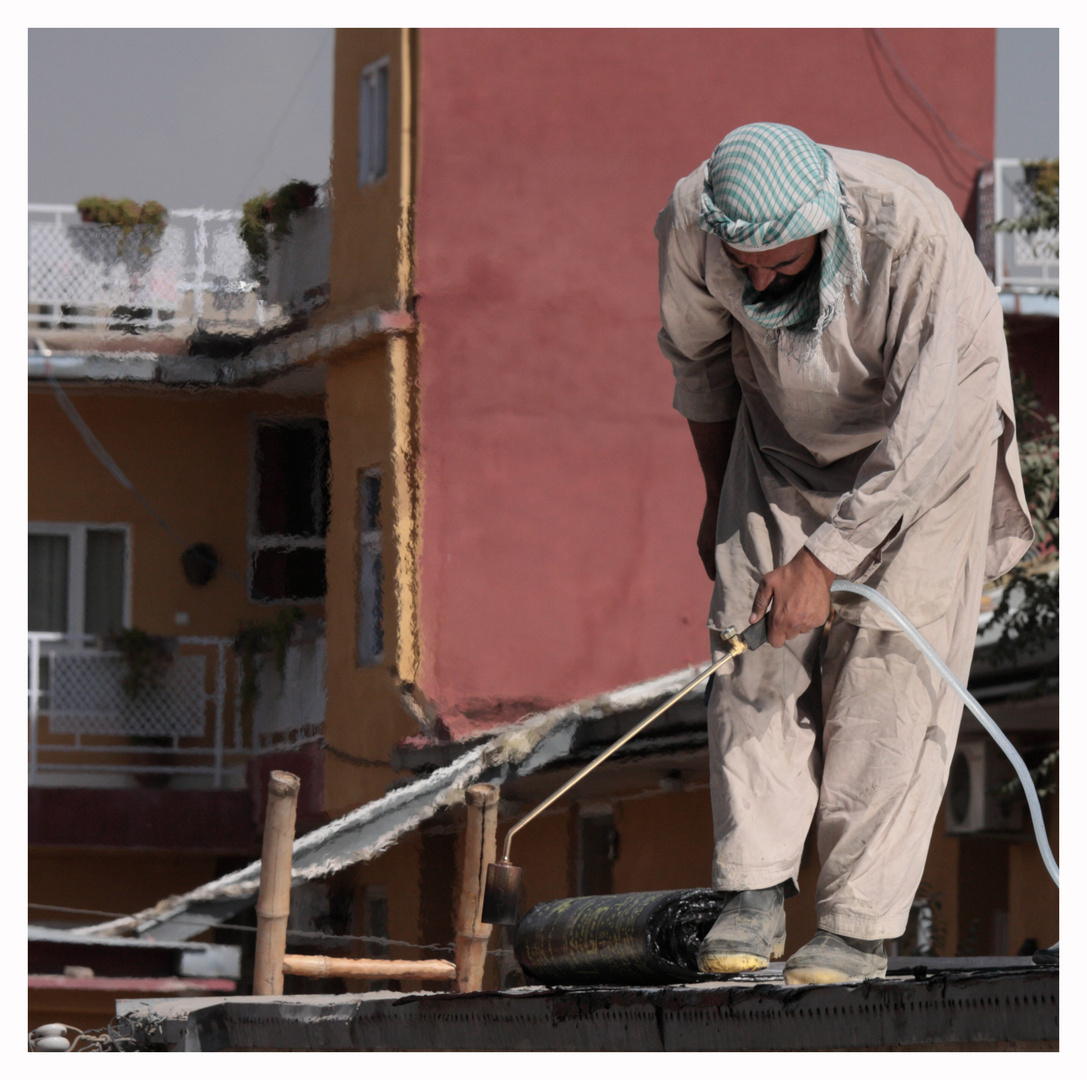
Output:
(148, 218)
(256, 640)
(266, 214)
(147, 659)
(1040, 193)
(126, 214)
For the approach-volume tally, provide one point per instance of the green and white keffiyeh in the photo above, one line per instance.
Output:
(768, 185)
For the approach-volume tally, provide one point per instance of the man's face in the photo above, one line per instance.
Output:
(778, 272)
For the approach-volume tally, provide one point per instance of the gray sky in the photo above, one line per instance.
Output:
(187, 117)
(1026, 94)
(210, 117)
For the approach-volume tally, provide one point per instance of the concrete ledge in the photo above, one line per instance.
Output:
(982, 1009)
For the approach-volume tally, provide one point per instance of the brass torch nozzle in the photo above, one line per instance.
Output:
(734, 641)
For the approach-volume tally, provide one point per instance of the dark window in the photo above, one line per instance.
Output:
(48, 583)
(77, 578)
(371, 638)
(290, 512)
(281, 574)
(598, 848)
(104, 582)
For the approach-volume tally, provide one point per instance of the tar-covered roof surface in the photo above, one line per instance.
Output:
(994, 1003)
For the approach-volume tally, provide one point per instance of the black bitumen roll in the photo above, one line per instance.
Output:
(635, 939)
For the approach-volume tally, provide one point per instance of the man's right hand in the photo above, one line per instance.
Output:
(707, 536)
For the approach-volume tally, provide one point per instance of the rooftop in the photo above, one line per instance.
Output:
(981, 1004)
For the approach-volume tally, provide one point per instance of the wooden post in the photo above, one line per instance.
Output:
(274, 899)
(479, 851)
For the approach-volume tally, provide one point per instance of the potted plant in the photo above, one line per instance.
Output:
(269, 214)
(256, 640)
(138, 230)
(147, 658)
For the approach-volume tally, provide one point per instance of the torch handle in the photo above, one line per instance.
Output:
(736, 646)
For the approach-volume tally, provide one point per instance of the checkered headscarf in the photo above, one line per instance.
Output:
(768, 185)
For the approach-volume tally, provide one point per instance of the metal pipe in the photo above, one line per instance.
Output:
(503, 878)
(736, 646)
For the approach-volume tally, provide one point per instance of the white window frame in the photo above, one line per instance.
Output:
(373, 126)
(76, 532)
(256, 541)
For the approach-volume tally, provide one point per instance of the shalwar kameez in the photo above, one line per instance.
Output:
(877, 430)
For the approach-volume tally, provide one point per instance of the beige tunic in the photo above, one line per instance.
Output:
(892, 456)
(863, 432)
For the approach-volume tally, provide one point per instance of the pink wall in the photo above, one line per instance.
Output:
(561, 495)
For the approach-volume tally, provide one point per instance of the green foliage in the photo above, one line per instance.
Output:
(125, 214)
(1039, 455)
(255, 640)
(1041, 194)
(1029, 607)
(1028, 614)
(1043, 774)
(147, 658)
(270, 214)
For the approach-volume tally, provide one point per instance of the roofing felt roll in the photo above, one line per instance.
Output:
(635, 939)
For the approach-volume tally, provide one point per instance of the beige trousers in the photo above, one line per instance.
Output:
(867, 757)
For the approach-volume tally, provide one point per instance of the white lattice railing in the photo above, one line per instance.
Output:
(184, 726)
(197, 272)
(1017, 262)
(290, 708)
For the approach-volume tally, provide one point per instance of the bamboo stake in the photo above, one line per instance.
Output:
(479, 851)
(274, 899)
(323, 967)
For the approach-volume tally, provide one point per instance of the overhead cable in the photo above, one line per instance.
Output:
(103, 456)
(944, 154)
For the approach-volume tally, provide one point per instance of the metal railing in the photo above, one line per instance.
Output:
(83, 275)
(1017, 262)
(183, 725)
(290, 707)
(195, 273)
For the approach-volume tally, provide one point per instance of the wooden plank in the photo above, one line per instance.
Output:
(324, 967)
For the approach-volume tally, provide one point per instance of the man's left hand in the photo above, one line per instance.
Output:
(801, 593)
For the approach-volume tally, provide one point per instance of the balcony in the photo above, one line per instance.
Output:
(1017, 262)
(185, 728)
(195, 276)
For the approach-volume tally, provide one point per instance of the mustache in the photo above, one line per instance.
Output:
(785, 284)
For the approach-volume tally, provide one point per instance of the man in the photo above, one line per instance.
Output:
(839, 355)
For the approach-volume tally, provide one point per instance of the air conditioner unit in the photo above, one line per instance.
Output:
(978, 769)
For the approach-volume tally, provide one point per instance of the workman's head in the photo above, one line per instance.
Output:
(777, 272)
(773, 198)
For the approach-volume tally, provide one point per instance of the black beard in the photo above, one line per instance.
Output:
(786, 284)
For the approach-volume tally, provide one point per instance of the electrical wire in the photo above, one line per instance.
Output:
(645, 793)
(351, 759)
(283, 116)
(904, 76)
(111, 466)
(318, 935)
(944, 155)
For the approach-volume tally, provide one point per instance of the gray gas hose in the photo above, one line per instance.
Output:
(987, 722)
